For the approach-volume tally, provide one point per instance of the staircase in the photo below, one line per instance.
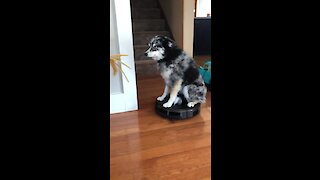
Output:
(147, 22)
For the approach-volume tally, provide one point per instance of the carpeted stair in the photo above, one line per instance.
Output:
(147, 21)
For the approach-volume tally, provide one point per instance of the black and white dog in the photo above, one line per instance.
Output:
(179, 71)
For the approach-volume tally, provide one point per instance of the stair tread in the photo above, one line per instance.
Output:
(149, 19)
(150, 32)
(140, 46)
(145, 8)
(149, 61)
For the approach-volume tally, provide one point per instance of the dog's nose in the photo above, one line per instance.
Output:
(146, 54)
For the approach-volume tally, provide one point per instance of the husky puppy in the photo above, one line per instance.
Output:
(179, 71)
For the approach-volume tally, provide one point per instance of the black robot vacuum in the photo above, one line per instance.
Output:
(176, 112)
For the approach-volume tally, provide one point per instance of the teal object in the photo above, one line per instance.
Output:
(205, 72)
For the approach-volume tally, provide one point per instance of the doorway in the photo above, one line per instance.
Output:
(123, 89)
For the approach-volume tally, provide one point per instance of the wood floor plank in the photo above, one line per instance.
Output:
(146, 146)
(169, 166)
(157, 138)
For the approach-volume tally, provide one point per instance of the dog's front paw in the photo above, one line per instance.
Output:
(160, 98)
(191, 104)
(167, 104)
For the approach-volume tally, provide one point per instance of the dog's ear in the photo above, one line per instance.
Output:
(171, 43)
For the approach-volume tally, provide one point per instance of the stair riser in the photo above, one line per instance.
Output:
(146, 70)
(144, 3)
(139, 54)
(148, 27)
(146, 14)
(144, 38)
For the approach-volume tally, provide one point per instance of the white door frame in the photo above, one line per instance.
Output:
(126, 101)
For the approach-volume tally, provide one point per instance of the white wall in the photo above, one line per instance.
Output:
(180, 17)
(115, 81)
(188, 26)
(203, 8)
(173, 11)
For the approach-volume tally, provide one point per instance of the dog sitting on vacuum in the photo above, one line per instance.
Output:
(179, 71)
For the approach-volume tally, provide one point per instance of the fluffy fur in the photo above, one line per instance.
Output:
(179, 72)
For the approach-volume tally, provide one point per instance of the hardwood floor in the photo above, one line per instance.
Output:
(146, 146)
